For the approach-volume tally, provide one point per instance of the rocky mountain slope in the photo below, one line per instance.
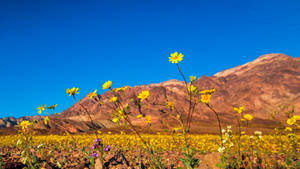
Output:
(261, 86)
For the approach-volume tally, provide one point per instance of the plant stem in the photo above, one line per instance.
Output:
(219, 122)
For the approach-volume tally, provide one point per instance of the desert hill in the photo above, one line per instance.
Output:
(261, 86)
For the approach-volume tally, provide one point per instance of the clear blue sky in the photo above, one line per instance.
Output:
(47, 46)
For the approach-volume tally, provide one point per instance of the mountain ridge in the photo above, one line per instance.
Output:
(260, 85)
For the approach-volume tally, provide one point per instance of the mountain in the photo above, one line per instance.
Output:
(261, 86)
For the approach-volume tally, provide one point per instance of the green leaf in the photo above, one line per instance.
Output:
(288, 161)
(58, 165)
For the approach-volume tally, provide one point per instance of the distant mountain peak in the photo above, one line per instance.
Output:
(264, 59)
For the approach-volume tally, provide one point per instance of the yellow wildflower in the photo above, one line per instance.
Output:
(109, 132)
(296, 117)
(242, 132)
(143, 95)
(139, 116)
(121, 113)
(41, 108)
(115, 120)
(92, 94)
(257, 132)
(24, 124)
(192, 89)
(126, 107)
(170, 104)
(291, 121)
(72, 91)
(113, 99)
(248, 117)
(52, 107)
(175, 57)
(46, 119)
(239, 110)
(148, 119)
(192, 78)
(210, 91)
(288, 129)
(205, 98)
(121, 89)
(106, 85)
(176, 129)
(178, 116)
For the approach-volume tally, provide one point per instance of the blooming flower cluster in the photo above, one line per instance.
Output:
(24, 124)
(175, 57)
(98, 147)
(143, 95)
(248, 117)
(107, 85)
(52, 107)
(92, 94)
(206, 95)
(41, 108)
(293, 120)
(72, 91)
(239, 109)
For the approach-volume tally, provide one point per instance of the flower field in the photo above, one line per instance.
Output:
(62, 151)
(178, 147)
(160, 142)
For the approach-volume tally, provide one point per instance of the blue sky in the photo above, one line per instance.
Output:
(48, 46)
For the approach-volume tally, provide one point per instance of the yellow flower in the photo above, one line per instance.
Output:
(291, 121)
(192, 78)
(121, 113)
(178, 116)
(106, 85)
(24, 124)
(126, 107)
(205, 98)
(92, 94)
(296, 117)
(175, 58)
(210, 91)
(41, 108)
(72, 91)
(192, 89)
(148, 119)
(115, 120)
(176, 129)
(257, 132)
(239, 110)
(248, 117)
(242, 132)
(288, 129)
(170, 104)
(52, 107)
(113, 99)
(121, 89)
(143, 95)
(109, 132)
(46, 119)
(139, 116)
